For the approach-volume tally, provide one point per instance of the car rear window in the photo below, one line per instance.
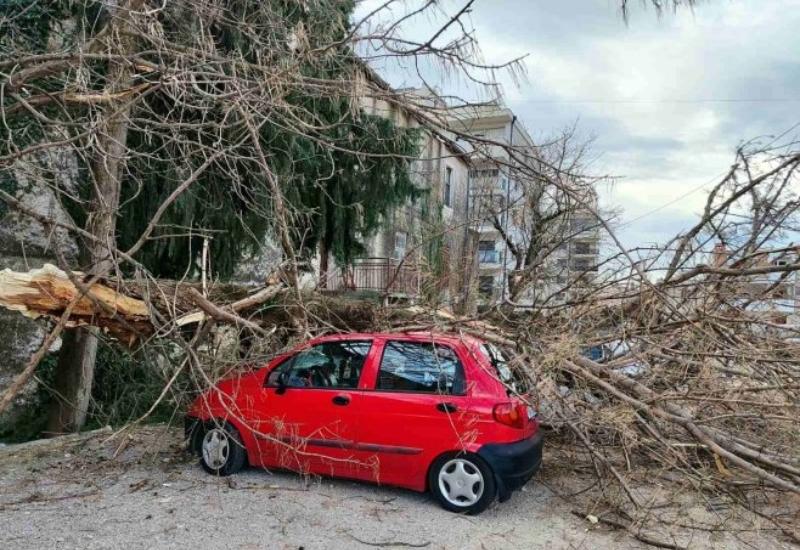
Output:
(420, 367)
(514, 380)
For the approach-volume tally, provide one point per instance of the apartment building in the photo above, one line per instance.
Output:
(453, 244)
(421, 248)
(576, 256)
(769, 297)
(493, 192)
(499, 214)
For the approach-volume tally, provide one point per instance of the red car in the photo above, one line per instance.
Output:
(417, 410)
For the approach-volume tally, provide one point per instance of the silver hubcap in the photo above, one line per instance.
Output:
(215, 448)
(461, 482)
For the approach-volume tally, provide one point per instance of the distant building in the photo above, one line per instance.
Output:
(492, 190)
(769, 297)
(497, 212)
(577, 254)
(452, 245)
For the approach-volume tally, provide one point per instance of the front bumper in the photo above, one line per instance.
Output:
(513, 464)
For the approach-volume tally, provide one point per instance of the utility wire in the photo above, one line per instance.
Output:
(673, 201)
(660, 101)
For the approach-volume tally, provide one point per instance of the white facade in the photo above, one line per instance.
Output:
(499, 213)
(492, 189)
(453, 242)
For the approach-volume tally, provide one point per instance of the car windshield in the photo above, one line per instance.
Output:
(515, 381)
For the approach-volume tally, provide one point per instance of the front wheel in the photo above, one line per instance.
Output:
(221, 450)
(462, 482)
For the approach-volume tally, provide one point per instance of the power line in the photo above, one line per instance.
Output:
(673, 201)
(659, 101)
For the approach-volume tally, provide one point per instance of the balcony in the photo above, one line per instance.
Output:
(584, 227)
(385, 275)
(584, 249)
(488, 256)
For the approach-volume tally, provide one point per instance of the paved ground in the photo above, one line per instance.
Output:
(147, 494)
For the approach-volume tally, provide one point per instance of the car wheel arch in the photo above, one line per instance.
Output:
(490, 481)
(466, 450)
(216, 421)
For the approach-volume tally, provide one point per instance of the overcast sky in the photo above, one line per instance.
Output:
(667, 99)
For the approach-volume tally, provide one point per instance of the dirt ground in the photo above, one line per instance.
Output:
(142, 490)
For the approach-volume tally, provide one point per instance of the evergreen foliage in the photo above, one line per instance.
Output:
(340, 177)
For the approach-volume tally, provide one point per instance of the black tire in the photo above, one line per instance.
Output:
(229, 461)
(472, 463)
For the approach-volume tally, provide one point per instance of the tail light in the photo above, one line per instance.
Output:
(510, 414)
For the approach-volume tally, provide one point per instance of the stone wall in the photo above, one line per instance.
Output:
(25, 244)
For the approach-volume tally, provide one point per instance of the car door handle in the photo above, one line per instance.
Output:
(446, 407)
(341, 400)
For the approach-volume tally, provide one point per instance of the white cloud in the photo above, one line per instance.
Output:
(656, 93)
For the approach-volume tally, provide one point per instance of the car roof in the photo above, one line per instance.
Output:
(419, 336)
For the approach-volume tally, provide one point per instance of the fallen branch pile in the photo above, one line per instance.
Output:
(699, 408)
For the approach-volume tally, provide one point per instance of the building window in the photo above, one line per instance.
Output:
(486, 285)
(581, 264)
(487, 253)
(582, 248)
(448, 186)
(485, 173)
(399, 251)
(580, 225)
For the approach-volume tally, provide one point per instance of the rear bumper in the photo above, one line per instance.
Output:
(513, 463)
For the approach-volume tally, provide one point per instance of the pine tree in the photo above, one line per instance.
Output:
(340, 170)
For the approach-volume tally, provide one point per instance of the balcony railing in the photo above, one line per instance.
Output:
(384, 275)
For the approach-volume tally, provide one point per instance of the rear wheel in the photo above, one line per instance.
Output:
(221, 450)
(462, 482)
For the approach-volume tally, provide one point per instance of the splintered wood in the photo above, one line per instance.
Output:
(48, 291)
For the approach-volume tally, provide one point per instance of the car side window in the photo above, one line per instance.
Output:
(328, 365)
(420, 367)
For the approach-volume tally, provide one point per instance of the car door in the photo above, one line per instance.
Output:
(308, 424)
(418, 407)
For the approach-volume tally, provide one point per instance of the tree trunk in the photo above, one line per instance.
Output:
(323, 265)
(76, 362)
(73, 383)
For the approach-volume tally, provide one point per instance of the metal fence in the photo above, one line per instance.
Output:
(385, 275)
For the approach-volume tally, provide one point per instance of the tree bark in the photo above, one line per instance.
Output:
(73, 382)
(76, 362)
(323, 265)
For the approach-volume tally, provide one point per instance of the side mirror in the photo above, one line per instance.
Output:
(283, 381)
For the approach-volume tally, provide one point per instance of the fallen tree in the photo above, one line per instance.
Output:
(696, 381)
(700, 395)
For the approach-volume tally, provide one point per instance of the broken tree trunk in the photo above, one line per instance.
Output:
(127, 310)
(48, 292)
